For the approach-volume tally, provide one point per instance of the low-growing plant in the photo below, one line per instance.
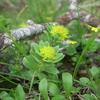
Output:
(17, 94)
(39, 65)
(93, 83)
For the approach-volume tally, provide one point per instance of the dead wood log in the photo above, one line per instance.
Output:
(74, 13)
(22, 33)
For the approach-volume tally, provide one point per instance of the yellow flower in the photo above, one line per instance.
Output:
(72, 42)
(47, 52)
(49, 18)
(23, 26)
(95, 29)
(63, 32)
(51, 12)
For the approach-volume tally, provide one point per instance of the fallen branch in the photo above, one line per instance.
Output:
(35, 29)
(22, 33)
(74, 13)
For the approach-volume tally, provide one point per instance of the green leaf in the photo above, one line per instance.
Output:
(67, 83)
(53, 89)
(26, 75)
(49, 38)
(84, 80)
(57, 58)
(89, 97)
(8, 98)
(34, 46)
(30, 62)
(46, 36)
(58, 97)
(49, 27)
(53, 77)
(42, 37)
(59, 55)
(19, 93)
(41, 43)
(12, 93)
(93, 46)
(71, 50)
(50, 69)
(35, 54)
(43, 88)
(35, 98)
(55, 36)
(94, 70)
(15, 68)
(3, 94)
(3, 22)
(56, 48)
(34, 49)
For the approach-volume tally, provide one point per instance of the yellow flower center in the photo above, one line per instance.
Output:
(63, 32)
(47, 52)
(72, 42)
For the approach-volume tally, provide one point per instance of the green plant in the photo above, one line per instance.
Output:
(48, 88)
(17, 94)
(93, 83)
(88, 45)
(44, 55)
(3, 22)
(40, 65)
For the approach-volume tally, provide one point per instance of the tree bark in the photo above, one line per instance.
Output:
(22, 33)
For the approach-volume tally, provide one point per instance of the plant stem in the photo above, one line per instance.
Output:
(83, 52)
(34, 74)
